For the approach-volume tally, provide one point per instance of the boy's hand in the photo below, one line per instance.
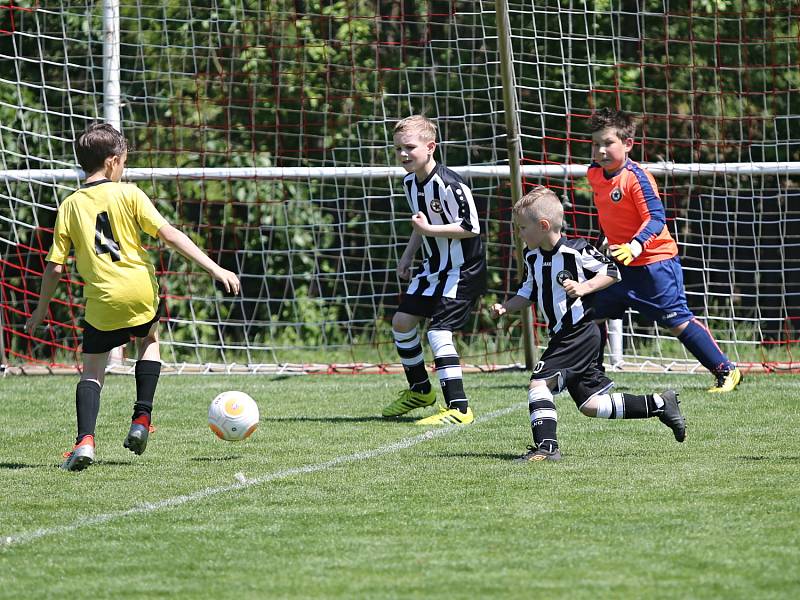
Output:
(498, 310)
(574, 289)
(228, 280)
(404, 269)
(420, 223)
(626, 253)
(36, 318)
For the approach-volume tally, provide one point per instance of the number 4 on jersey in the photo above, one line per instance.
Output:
(104, 242)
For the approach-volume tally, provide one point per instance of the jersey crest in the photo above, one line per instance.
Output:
(562, 276)
(615, 195)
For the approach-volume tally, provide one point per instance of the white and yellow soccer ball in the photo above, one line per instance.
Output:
(233, 416)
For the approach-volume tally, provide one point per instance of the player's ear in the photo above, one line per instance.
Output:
(431, 146)
(628, 144)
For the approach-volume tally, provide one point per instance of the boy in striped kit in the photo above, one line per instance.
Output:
(563, 278)
(445, 287)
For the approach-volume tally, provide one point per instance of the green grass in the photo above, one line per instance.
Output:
(342, 504)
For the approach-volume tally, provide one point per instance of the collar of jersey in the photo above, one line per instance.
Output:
(94, 183)
(428, 178)
(555, 248)
(618, 171)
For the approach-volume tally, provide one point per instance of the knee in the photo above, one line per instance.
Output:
(589, 408)
(403, 323)
(678, 329)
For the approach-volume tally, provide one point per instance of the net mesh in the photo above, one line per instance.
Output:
(230, 84)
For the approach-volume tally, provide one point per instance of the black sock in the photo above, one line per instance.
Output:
(147, 372)
(87, 406)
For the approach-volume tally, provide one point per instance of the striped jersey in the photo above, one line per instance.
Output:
(547, 270)
(451, 268)
(629, 207)
(102, 221)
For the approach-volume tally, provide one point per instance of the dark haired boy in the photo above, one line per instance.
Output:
(633, 220)
(103, 221)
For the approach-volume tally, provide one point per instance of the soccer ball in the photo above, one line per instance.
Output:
(233, 416)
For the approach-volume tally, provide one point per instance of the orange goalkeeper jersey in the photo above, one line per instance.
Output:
(628, 208)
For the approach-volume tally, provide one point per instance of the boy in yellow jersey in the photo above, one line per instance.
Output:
(103, 221)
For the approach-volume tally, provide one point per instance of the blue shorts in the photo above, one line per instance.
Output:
(655, 290)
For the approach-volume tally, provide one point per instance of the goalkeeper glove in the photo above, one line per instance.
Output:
(626, 253)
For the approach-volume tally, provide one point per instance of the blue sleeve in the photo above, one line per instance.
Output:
(658, 218)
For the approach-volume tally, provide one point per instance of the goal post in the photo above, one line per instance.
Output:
(263, 130)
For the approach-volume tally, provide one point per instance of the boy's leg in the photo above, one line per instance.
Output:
(698, 340)
(664, 405)
(87, 393)
(450, 314)
(87, 407)
(544, 421)
(409, 346)
(448, 369)
(147, 372)
(658, 293)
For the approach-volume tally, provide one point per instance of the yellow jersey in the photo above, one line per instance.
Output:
(102, 221)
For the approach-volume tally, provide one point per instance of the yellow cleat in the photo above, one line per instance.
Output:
(408, 400)
(448, 416)
(727, 382)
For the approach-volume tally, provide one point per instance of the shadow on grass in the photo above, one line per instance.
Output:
(216, 458)
(13, 466)
(771, 458)
(505, 456)
(342, 419)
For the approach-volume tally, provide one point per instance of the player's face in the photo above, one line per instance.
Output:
(117, 166)
(609, 151)
(413, 153)
(533, 232)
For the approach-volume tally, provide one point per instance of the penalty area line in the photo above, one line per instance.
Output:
(148, 507)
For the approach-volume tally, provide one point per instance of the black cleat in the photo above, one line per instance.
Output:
(136, 441)
(539, 454)
(671, 414)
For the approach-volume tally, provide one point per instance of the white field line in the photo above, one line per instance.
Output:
(148, 507)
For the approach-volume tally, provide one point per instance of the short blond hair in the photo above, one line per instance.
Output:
(541, 203)
(422, 126)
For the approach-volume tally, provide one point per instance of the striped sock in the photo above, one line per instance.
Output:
(409, 347)
(448, 368)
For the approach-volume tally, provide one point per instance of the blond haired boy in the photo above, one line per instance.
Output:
(562, 277)
(447, 283)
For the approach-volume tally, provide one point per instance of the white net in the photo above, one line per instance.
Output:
(263, 130)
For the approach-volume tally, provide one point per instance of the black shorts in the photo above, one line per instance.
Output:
(450, 314)
(571, 361)
(96, 341)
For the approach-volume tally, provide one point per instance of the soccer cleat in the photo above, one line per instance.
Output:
(136, 441)
(726, 381)
(81, 456)
(448, 416)
(535, 454)
(408, 400)
(671, 416)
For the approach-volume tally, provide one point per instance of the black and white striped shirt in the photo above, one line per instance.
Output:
(451, 268)
(572, 259)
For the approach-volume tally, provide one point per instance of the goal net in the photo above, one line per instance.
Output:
(263, 130)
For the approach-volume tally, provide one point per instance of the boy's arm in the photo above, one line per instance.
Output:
(648, 203)
(50, 279)
(178, 240)
(452, 231)
(404, 266)
(511, 305)
(578, 290)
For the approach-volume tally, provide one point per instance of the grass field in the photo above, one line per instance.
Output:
(339, 503)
